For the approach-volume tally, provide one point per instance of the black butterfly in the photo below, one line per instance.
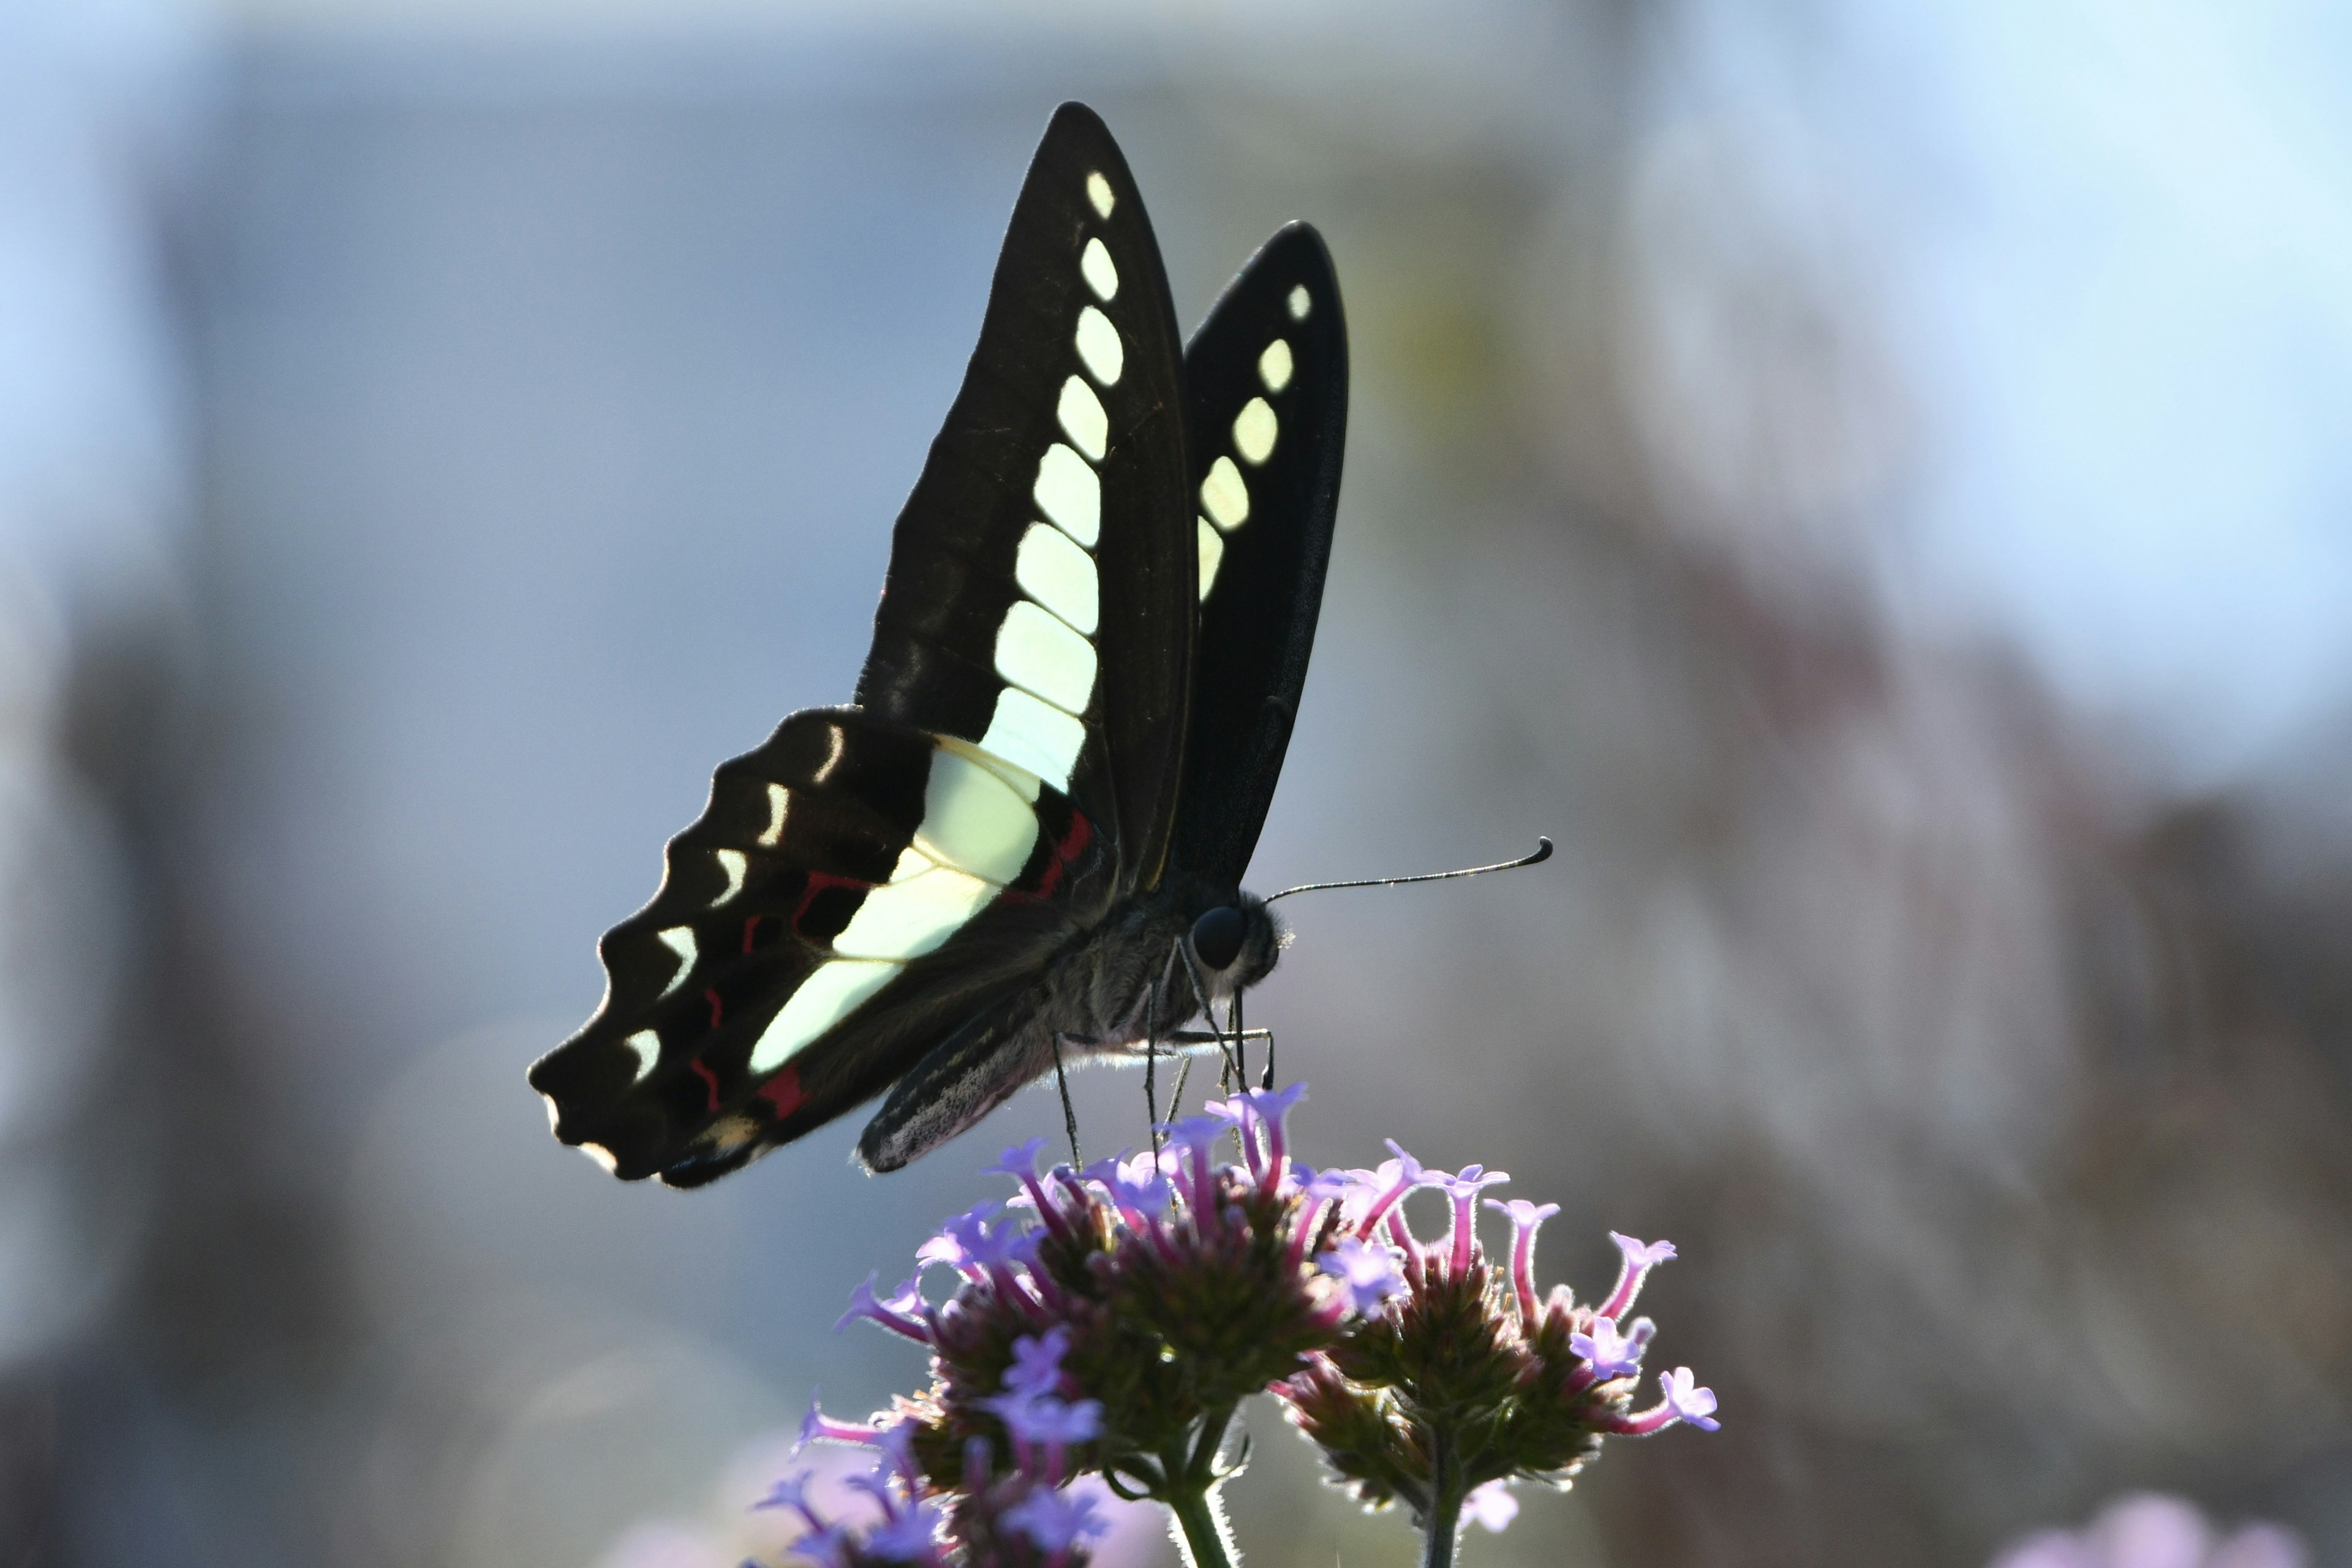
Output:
(1031, 826)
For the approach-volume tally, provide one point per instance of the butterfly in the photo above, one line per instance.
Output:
(1025, 836)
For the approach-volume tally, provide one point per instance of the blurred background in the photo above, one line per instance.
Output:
(1873, 481)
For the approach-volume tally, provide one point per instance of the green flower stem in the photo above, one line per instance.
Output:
(1443, 1527)
(1192, 1496)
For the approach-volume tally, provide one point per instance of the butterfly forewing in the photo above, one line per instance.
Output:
(1266, 402)
(1039, 602)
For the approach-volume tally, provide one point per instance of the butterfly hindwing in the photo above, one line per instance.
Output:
(854, 887)
(1039, 602)
(1266, 402)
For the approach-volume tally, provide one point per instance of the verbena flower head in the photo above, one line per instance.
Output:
(1101, 1322)
(1464, 1381)
(1109, 1321)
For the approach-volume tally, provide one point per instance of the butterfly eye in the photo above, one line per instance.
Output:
(1217, 936)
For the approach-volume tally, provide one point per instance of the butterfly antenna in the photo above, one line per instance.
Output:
(1542, 854)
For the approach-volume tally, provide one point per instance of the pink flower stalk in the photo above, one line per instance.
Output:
(1464, 1190)
(1526, 1219)
(1639, 1258)
(902, 1314)
(1387, 1185)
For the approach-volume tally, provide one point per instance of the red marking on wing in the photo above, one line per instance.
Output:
(749, 927)
(1073, 844)
(818, 882)
(783, 1092)
(718, 1008)
(702, 1071)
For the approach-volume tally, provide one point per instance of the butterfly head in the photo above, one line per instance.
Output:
(1237, 943)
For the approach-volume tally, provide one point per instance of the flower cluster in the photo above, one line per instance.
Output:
(1474, 1379)
(2148, 1529)
(1108, 1322)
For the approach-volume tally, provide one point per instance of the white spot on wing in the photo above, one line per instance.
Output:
(1069, 493)
(911, 863)
(679, 940)
(734, 863)
(824, 999)
(1212, 553)
(777, 795)
(1254, 429)
(1058, 575)
(1099, 345)
(1024, 783)
(908, 920)
(974, 821)
(1037, 651)
(1082, 416)
(1300, 304)
(1032, 733)
(1273, 365)
(1099, 192)
(554, 1116)
(1101, 276)
(1223, 496)
(647, 1044)
(602, 1156)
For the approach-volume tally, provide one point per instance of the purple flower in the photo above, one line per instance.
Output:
(971, 1246)
(1386, 1186)
(1493, 1506)
(1055, 1520)
(1037, 1360)
(1196, 1136)
(1368, 1270)
(1135, 1186)
(1610, 1354)
(1316, 1186)
(816, 1427)
(1019, 1162)
(791, 1491)
(901, 1314)
(1526, 1218)
(1464, 1190)
(909, 1535)
(1264, 1110)
(954, 1243)
(1692, 1405)
(1231, 1117)
(2149, 1530)
(1640, 1257)
(1041, 1418)
(827, 1545)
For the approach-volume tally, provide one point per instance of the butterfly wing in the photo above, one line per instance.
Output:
(1040, 600)
(855, 889)
(878, 878)
(1266, 394)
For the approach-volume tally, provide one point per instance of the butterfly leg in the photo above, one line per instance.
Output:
(1069, 1112)
(1235, 1066)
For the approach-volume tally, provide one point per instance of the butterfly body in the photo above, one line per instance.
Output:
(1107, 993)
(1030, 827)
